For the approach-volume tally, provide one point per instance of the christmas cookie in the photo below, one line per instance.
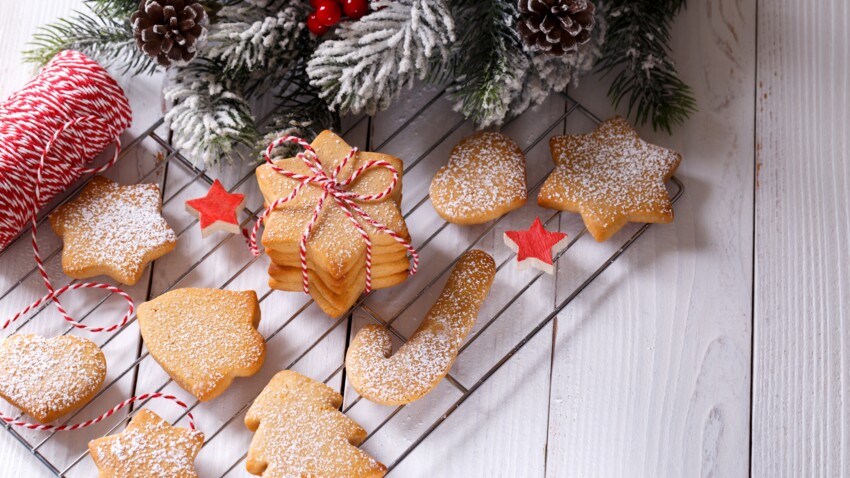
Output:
(484, 179)
(301, 432)
(48, 378)
(610, 177)
(112, 229)
(148, 448)
(336, 251)
(217, 210)
(418, 366)
(204, 338)
(536, 246)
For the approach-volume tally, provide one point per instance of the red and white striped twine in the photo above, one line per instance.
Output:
(50, 131)
(88, 423)
(344, 199)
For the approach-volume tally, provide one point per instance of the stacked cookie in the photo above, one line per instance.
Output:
(336, 251)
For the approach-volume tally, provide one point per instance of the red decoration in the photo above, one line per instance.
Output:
(315, 26)
(536, 246)
(217, 210)
(328, 12)
(355, 9)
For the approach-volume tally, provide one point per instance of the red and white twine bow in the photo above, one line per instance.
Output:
(334, 188)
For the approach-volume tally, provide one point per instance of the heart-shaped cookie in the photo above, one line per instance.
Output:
(484, 179)
(48, 378)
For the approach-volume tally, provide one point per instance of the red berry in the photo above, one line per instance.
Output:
(328, 12)
(315, 26)
(315, 3)
(355, 8)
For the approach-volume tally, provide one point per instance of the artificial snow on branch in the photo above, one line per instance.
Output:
(209, 116)
(250, 38)
(374, 58)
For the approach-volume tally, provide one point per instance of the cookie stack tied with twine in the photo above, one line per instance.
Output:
(333, 222)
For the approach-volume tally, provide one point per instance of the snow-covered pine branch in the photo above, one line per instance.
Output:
(374, 58)
(250, 37)
(208, 119)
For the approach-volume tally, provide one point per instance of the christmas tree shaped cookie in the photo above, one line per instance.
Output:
(204, 338)
(301, 432)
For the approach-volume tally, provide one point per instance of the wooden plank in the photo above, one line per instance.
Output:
(651, 370)
(801, 373)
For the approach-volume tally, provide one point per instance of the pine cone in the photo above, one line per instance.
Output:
(169, 30)
(556, 27)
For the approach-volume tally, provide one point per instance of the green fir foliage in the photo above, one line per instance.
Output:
(637, 49)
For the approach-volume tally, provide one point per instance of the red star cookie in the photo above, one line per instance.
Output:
(217, 210)
(536, 246)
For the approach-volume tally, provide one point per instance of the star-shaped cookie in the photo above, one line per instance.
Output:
(148, 448)
(610, 177)
(112, 229)
(204, 338)
(217, 210)
(301, 432)
(334, 242)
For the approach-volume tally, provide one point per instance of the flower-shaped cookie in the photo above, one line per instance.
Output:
(112, 229)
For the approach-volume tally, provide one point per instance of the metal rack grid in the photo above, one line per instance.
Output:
(172, 157)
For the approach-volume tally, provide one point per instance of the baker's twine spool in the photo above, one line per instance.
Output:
(50, 131)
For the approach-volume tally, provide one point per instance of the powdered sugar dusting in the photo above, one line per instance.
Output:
(301, 432)
(204, 338)
(47, 378)
(610, 175)
(426, 358)
(113, 227)
(149, 447)
(484, 178)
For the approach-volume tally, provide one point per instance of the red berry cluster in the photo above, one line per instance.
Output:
(329, 12)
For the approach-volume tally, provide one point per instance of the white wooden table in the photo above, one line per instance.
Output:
(717, 346)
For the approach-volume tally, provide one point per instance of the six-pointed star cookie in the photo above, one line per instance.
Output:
(112, 229)
(334, 242)
(610, 177)
(204, 338)
(148, 448)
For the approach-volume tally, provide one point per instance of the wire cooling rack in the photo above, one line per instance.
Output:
(392, 435)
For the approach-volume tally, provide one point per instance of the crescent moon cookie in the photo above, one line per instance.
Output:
(204, 338)
(148, 448)
(112, 229)
(610, 177)
(484, 179)
(419, 365)
(49, 378)
(300, 432)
